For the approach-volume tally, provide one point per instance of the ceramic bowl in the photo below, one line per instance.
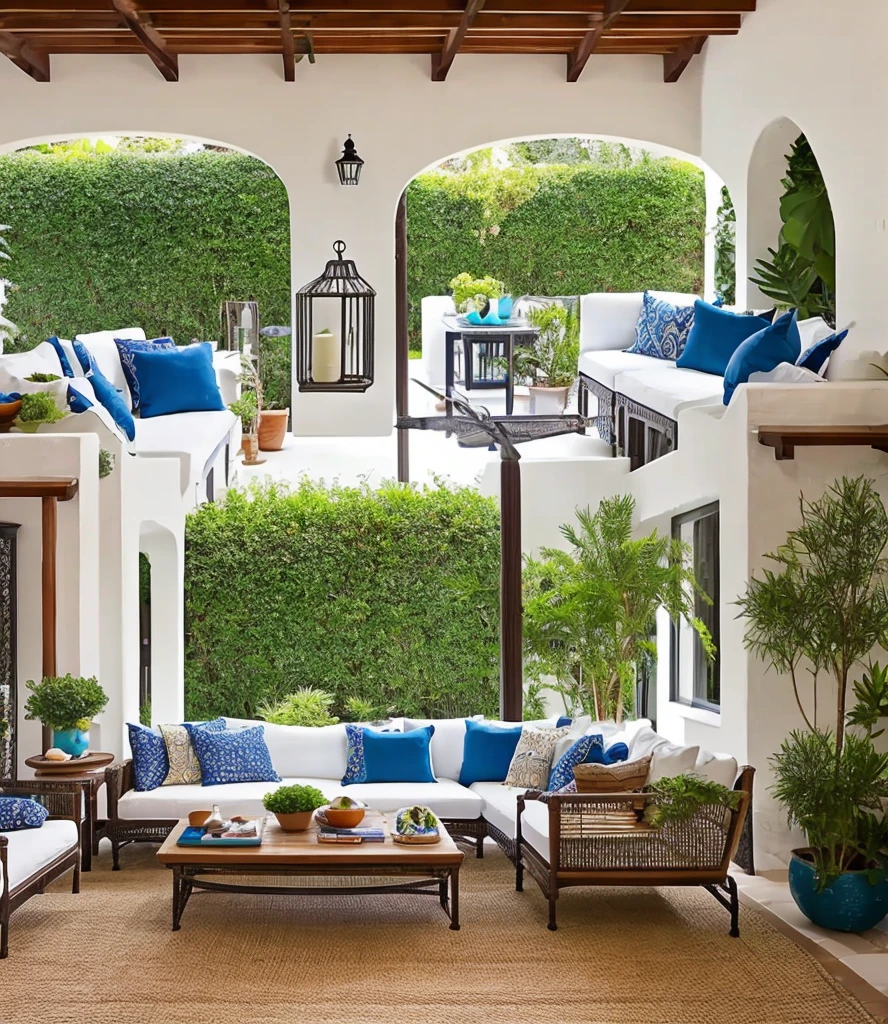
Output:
(344, 817)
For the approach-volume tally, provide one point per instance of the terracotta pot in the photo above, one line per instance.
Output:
(250, 445)
(547, 401)
(300, 821)
(272, 429)
(8, 412)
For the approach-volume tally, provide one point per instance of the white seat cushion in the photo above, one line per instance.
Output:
(812, 330)
(500, 805)
(670, 759)
(720, 768)
(192, 437)
(446, 798)
(176, 802)
(668, 389)
(102, 348)
(535, 827)
(32, 849)
(302, 750)
(604, 364)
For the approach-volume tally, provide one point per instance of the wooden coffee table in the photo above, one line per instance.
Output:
(427, 870)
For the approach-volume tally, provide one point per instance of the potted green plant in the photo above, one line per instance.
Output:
(819, 612)
(549, 367)
(37, 407)
(67, 705)
(294, 806)
(473, 294)
(590, 612)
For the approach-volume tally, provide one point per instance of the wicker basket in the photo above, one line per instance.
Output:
(625, 777)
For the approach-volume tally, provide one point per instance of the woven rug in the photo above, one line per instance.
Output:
(620, 956)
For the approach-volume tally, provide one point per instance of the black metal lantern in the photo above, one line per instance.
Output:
(349, 164)
(334, 331)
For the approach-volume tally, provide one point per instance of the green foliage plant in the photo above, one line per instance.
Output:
(552, 360)
(106, 463)
(37, 407)
(305, 706)
(821, 611)
(43, 378)
(589, 612)
(680, 797)
(65, 702)
(247, 409)
(294, 800)
(726, 249)
(470, 293)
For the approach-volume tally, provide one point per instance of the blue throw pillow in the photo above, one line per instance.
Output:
(562, 771)
(398, 756)
(150, 761)
(563, 721)
(233, 755)
(179, 380)
(777, 343)
(355, 770)
(113, 401)
(616, 752)
(662, 329)
(63, 357)
(125, 349)
(815, 357)
(487, 752)
(715, 336)
(19, 812)
(82, 352)
(77, 402)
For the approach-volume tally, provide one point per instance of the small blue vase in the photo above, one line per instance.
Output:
(849, 904)
(504, 309)
(73, 741)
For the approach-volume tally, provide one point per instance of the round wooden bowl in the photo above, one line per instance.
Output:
(76, 766)
(341, 817)
(8, 412)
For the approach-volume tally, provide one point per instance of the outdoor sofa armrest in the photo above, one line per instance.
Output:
(118, 780)
(62, 799)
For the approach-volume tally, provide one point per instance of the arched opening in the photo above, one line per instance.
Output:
(791, 240)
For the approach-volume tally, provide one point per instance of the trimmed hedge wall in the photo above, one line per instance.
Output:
(389, 595)
(558, 230)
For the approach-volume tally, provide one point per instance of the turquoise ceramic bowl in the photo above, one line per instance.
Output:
(73, 741)
(850, 904)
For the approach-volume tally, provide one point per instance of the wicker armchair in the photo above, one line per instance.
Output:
(63, 801)
(602, 839)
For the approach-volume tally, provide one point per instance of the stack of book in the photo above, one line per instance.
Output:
(359, 834)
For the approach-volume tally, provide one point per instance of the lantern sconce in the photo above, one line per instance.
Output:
(349, 164)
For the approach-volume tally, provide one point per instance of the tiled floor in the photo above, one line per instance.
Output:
(859, 962)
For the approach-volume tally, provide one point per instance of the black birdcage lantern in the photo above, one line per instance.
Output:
(334, 331)
(349, 164)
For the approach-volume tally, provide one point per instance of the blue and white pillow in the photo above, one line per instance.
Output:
(662, 329)
(18, 813)
(150, 761)
(125, 349)
(355, 768)
(67, 369)
(113, 401)
(233, 755)
(562, 772)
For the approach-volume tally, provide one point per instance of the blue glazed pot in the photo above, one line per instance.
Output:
(849, 904)
(504, 307)
(73, 741)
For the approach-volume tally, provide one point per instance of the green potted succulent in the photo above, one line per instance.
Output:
(37, 407)
(294, 806)
(549, 367)
(67, 705)
(820, 612)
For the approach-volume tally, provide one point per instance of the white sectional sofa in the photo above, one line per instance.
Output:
(639, 398)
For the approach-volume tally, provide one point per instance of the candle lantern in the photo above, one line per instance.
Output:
(240, 326)
(333, 338)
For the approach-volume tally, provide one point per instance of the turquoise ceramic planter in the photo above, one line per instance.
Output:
(73, 741)
(850, 904)
(504, 307)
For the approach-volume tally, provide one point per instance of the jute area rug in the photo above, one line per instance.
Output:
(621, 956)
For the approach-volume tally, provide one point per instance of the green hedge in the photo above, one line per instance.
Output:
(558, 230)
(386, 595)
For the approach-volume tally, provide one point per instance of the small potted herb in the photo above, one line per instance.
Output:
(37, 407)
(294, 806)
(67, 705)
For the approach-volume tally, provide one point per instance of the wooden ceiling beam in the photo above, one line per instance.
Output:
(25, 57)
(674, 64)
(142, 27)
(578, 60)
(288, 46)
(442, 61)
(244, 8)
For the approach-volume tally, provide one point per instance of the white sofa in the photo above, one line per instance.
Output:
(317, 757)
(201, 441)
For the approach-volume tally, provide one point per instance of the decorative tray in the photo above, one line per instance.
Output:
(423, 840)
(91, 761)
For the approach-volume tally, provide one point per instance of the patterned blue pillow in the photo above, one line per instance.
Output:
(67, 371)
(662, 329)
(19, 812)
(562, 772)
(233, 755)
(82, 353)
(125, 349)
(150, 762)
(355, 768)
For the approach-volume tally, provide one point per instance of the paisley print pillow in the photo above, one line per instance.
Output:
(662, 329)
(532, 759)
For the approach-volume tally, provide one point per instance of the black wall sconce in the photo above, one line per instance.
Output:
(349, 164)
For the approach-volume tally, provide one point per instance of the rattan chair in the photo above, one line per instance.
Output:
(602, 839)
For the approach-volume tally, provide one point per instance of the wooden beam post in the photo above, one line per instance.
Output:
(579, 58)
(511, 627)
(24, 56)
(49, 528)
(288, 47)
(402, 339)
(441, 61)
(674, 64)
(155, 45)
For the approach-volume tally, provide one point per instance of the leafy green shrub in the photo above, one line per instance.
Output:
(726, 249)
(307, 706)
(106, 463)
(346, 589)
(65, 702)
(38, 407)
(294, 800)
(680, 797)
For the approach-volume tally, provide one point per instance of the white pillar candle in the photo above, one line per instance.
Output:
(246, 319)
(326, 363)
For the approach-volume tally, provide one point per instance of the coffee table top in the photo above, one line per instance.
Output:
(303, 848)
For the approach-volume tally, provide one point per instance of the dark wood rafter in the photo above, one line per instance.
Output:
(785, 440)
(442, 61)
(674, 64)
(578, 60)
(288, 45)
(142, 27)
(24, 56)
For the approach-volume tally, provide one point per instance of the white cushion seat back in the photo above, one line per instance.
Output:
(31, 849)
(446, 746)
(604, 364)
(298, 750)
(720, 768)
(608, 319)
(102, 348)
(433, 336)
(448, 799)
(43, 358)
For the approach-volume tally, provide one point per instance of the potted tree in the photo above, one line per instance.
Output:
(549, 367)
(819, 612)
(246, 408)
(294, 806)
(589, 613)
(67, 705)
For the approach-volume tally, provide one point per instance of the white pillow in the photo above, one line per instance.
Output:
(446, 747)
(645, 741)
(720, 768)
(670, 760)
(102, 348)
